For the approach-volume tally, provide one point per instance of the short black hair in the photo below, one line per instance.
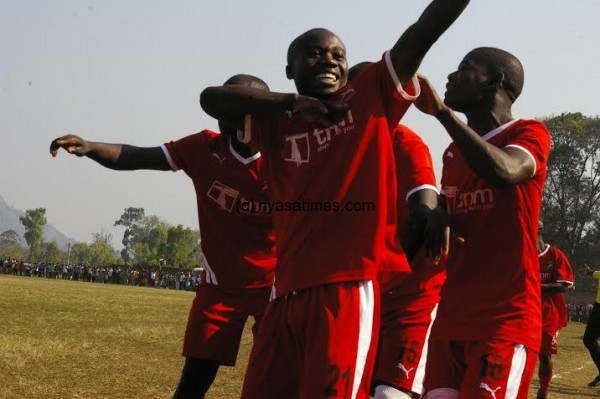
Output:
(500, 61)
(247, 80)
(300, 40)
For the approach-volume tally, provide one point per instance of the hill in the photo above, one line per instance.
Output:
(9, 220)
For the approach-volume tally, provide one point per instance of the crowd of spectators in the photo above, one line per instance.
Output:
(580, 312)
(125, 275)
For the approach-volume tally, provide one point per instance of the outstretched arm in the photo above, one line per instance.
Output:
(500, 167)
(409, 51)
(230, 102)
(113, 156)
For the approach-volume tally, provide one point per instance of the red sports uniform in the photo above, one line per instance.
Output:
(237, 241)
(491, 297)
(408, 306)
(554, 268)
(325, 315)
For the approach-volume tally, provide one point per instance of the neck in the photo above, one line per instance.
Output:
(541, 245)
(484, 121)
(245, 150)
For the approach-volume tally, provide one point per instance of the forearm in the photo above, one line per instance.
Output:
(553, 288)
(231, 101)
(417, 40)
(489, 162)
(127, 157)
(105, 154)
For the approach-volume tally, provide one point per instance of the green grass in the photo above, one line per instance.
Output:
(67, 339)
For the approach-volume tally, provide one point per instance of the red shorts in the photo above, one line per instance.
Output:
(316, 343)
(478, 370)
(549, 343)
(217, 320)
(402, 352)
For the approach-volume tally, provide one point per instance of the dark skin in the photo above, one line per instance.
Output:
(319, 69)
(128, 157)
(481, 96)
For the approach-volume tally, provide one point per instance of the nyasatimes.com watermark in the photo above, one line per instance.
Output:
(246, 206)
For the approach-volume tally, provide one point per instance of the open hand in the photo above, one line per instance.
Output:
(429, 101)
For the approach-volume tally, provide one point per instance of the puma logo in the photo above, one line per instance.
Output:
(485, 386)
(404, 370)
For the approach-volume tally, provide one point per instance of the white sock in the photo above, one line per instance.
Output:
(387, 392)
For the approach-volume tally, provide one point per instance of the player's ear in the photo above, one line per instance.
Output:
(288, 72)
(496, 81)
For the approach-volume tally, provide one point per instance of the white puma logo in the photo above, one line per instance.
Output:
(404, 370)
(485, 386)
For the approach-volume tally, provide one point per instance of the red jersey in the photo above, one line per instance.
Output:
(554, 268)
(414, 171)
(238, 245)
(331, 171)
(492, 289)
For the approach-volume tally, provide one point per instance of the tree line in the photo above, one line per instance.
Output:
(147, 240)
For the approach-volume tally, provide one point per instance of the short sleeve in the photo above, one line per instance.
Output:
(534, 139)
(188, 151)
(414, 166)
(564, 272)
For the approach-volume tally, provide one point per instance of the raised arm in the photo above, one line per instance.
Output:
(409, 51)
(500, 167)
(112, 156)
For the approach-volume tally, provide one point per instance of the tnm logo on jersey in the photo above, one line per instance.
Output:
(223, 195)
(462, 202)
(298, 147)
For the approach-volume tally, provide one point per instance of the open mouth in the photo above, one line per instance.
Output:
(327, 78)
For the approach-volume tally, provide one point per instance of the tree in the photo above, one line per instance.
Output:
(9, 238)
(101, 254)
(34, 221)
(182, 248)
(52, 253)
(571, 206)
(130, 220)
(79, 253)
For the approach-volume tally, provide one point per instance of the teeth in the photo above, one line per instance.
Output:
(326, 76)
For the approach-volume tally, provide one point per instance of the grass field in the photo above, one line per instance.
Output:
(66, 339)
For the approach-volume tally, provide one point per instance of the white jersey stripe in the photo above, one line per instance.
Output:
(365, 332)
(394, 76)
(174, 167)
(517, 367)
(417, 386)
(211, 277)
(422, 187)
(526, 152)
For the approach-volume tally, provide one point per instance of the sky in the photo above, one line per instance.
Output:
(131, 71)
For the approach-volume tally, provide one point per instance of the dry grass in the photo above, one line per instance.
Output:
(65, 339)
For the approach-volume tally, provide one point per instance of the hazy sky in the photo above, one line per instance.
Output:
(131, 71)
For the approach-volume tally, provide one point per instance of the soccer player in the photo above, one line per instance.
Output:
(407, 303)
(408, 306)
(556, 276)
(237, 238)
(591, 336)
(487, 331)
(329, 145)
